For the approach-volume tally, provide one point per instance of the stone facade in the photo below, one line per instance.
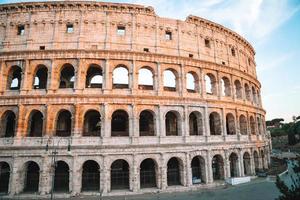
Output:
(226, 131)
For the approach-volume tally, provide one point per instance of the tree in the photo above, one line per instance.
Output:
(291, 192)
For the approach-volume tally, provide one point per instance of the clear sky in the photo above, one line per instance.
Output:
(272, 27)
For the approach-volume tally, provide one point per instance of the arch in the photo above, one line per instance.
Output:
(119, 174)
(226, 87)
(256, 160)
(4, 177)
(259, 125)
(218, 167)
(254, 97)
(170, 80)
(172, 123)
(67, 76)
(145, 78)
(174, 169)
(90, 176)
(119, 123)
(247, 92)
(40, 78)
(233, 163)
(243, 125)
(35, 124)
(195, 123)
(230, 124)
(120, 77)
(32, 177)
(198, 170)
(14, 78)
(215, 124)
(94, 77)
(247, 164)
(252, 125)
(8, 124)
(210, 84)
(146, 123)
(92, 123)
(262, 154)
(238, 89)
(192, 82)
(61, 177)
(64, 123)
(148, 171)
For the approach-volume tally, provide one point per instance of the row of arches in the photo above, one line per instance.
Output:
(120, 173)
(120, 79)
(92, 123)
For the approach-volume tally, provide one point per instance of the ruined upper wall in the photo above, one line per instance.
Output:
(95, 27)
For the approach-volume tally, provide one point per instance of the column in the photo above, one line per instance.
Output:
(107, 77)
(188, 170)
(206, 122)
(224, 124)
(241, 164)
(226, 165)
(80, 75)
(183, 91)
(77, 120)
(2, 80)
(105, 176)
(135, 179)
(208, 167)
(159, 80)
(185, 123)
(46, 175)
(14, 184)
(161, 122)
(133, 76)
(163, 169)
(76, 177)
(20, 132)
(26, 74)
(106, 121)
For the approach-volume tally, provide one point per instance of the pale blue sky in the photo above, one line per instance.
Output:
(272, 27)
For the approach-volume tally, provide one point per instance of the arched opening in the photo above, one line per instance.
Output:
(90, 176)
(92, 123)
(258, 97)
(247, 92)
(32, 177)
(145, 79)
(67, 76)
(225, 85)
(94, 77)
(259, 125)
(174, 172)
(8, 123)
(215, 124)
(262, 158)
(254, 97)
(14, 78)
(238, 89)
(252, 126)
(119, 123)
(120, 77)
(243, 125)
(191, 82)
(198, 170)
(146, 123)
(4, 177)
(247, 164)
(61, 177)
(172, 124)
(210, 84)
(233, 162)
(64, 122)
(170, 80)
(148, 173)
(256, 161)
(36, 124)
(218, 167)
(230, 124)
(195, 123)
(40, 78)
(119, 175)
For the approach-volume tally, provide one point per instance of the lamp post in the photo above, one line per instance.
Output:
(53, 161)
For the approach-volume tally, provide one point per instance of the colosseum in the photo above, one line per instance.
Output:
(111, 99)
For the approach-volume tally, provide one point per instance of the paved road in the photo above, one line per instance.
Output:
(259, 189)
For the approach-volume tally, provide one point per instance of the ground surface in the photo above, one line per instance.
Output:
(259, 189)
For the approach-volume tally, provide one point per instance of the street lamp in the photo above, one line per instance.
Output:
(53, 163)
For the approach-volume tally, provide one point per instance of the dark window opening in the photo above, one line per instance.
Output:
(42, 47)
(14, 78)
(171, 124)
(168, 35)
(232, 52)
(90, 176)
(32, 177)
(67, 77)
(195, 124)
(40, 79)
(119, 123)
(146, 50)
(121, 30)
(9, 124)
(148, 174)
(215, 124)
(218, 167)
(207, 43)
(61, 177)
(230, 124)
(146, 124)
(4, 177)
(233, 160)
(94, 77)
(256, 161)
(21, 30)
(247, 164)
(191, 55)
(92, 123)
(119, 175)
(223, 63)
(173, 172)
(70, 28)
(64, 121)
(36, 124)
(198, 170)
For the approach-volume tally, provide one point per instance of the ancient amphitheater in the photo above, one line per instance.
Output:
(123, 101)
